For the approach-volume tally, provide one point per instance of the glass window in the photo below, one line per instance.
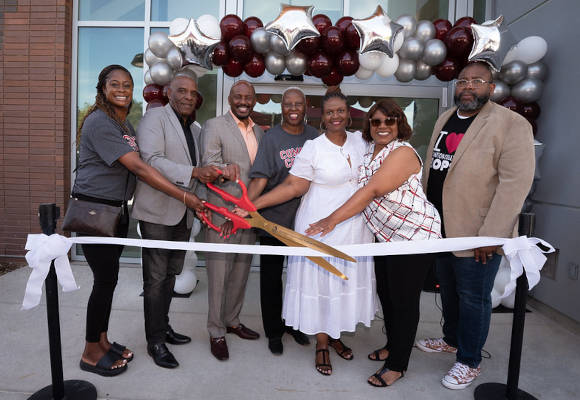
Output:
(168, 10)
(479, 10)
(421, 9)
(267, 11)
(111, 10)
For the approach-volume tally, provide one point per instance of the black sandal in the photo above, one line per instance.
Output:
(104, 365)
(342, 350)
(377, 355)
(379, 377)
(120, 350)
(325, 362)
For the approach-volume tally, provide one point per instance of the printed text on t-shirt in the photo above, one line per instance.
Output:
(289, 155)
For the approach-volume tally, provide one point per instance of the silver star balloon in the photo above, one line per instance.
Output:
(196, 47)
(490, 45)
(377, 32)
(293, 24)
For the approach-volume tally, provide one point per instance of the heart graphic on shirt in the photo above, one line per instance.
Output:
(452, 141)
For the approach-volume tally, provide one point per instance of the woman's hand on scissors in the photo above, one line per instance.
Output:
(240, 211)
(193, 202)
(324, 226)
(226, 229)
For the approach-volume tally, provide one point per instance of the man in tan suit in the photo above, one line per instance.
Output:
(481, 159)
(230, 138)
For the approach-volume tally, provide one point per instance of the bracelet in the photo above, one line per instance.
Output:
(184, 194)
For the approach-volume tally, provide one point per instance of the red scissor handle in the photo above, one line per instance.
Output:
(239, 222)
(243, 201)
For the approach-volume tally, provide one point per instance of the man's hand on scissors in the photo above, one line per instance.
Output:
(203, 216)
(226, 229)
(324, 226)
(193, 202)
(205, 174)
(231, 172)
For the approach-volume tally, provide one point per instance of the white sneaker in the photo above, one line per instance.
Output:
(460, 376)
(435, 345)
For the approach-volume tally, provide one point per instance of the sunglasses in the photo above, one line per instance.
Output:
(389, 121)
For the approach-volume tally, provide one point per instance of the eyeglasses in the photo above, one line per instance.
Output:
(473, 82)
(376, 122)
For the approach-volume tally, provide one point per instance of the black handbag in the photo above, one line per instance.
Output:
(90, 218)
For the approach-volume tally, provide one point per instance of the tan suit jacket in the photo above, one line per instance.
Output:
(490, 175)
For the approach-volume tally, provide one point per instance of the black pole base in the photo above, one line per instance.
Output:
(498, 391)
(73, 390)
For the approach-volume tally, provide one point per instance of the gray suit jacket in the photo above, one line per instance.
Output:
(222, 144)
(162, 145)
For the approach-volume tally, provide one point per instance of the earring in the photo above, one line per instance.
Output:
(322, 126)
(349, 121)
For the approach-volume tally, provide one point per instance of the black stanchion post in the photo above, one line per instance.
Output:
(60, 389)
(510, 391)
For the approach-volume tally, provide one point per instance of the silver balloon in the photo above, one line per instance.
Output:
(513, 72)
(537, 70)
(274, 63)
(296, 63)
(174, 58)
(196, 47)
(496, 75)
(161, 73)
(422, 71)
(409, 24)
(434, 52)
(490, 45)
(260, 40)
(377, 32)
(151, 58)
(425, 30)
(406, 71)
(147, 78)
(277, 45)
(528, 90)
(501, 91)
(292, 25)
(160, 44)
(412, 49)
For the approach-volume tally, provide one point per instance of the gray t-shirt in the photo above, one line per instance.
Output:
(275, 157)
(99, 173)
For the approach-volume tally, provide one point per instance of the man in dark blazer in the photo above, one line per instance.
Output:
(230, 138)
(168, 140)
(481, 167)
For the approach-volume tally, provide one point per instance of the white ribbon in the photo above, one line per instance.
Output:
(522, 253)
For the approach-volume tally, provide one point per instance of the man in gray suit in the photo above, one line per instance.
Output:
(168, 140)
(230, 138)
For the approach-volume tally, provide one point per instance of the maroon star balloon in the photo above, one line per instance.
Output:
(321, 22)
(251, 24)
(233, 68)
(309, 46)
(459, 42)
(256, 66)
(332, 42)
(465, 22)
(347, 63)
(220, 54)
(333, 78)
(320, 65)
(447, 70)
(240, 48)
(231, 25)
(442, 27)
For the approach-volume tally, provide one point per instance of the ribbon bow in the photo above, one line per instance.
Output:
(42, 250)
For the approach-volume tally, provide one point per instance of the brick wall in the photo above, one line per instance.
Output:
(35, 74)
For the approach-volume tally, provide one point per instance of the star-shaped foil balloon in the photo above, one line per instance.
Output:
(377, 32)
(196, 47)
(489, 44)
(293, 24)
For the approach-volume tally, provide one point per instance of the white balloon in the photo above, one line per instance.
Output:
(177, 26)
(363, 73)
(185, 282)
(388, 67)
(209, 26)
(371, 60)
(531, 49)
(495, 300)
(509, 301)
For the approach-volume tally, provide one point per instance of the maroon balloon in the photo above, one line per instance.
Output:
(309, 46)
(442, 27)
(240, 48)
(332, 42)
(256, 66)
(343, 23)
(320, 64)
(233, 68)
(465, 22)
(251, 24)
(351, 37)
(530, 110)
(447, 70)
(534, 126)
(154, 104)
(321, 22)
(512, 104)
(231, 25)
(459, 42)
(220, 54)
(347, 63)
(333, 78)
(153, 92)
(198, 101)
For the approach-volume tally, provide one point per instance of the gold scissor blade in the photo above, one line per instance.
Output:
(317, 260)
(277, 230)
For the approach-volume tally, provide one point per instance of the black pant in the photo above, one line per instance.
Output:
(271, 289)
(160, 266)
(103, 260)
(399, 283)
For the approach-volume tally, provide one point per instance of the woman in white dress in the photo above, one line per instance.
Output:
(325, 173)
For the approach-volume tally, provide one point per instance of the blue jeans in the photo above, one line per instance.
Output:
(466, 299)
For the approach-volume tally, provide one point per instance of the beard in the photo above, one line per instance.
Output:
(473, 105)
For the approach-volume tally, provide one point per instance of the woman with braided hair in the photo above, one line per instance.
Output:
(108, 165)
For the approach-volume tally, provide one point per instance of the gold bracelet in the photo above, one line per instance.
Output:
(184, 194)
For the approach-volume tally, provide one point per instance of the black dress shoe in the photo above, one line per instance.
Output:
(243, 331)
(299, 337)
(161, 355)
(173, 337)
(219, 348)
(275, 345)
